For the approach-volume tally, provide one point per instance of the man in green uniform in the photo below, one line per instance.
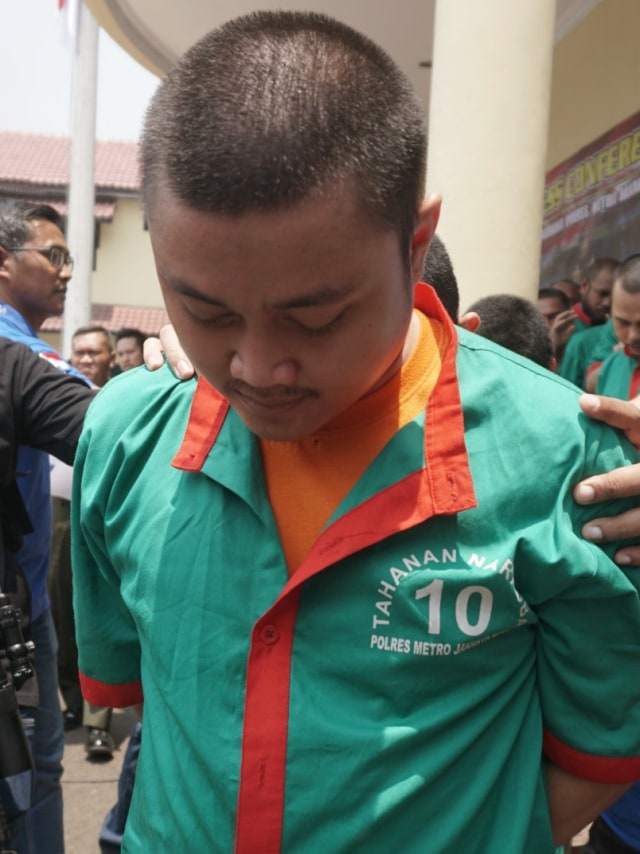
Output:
(619, 374)
(593, 338)
(352, 628)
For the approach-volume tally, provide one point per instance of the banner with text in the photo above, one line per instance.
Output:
(592, 205)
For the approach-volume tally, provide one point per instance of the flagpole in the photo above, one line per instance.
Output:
(81, 199)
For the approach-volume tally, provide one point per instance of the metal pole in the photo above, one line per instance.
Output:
(80, 223)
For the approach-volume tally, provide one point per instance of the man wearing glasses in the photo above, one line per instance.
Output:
(35, 269)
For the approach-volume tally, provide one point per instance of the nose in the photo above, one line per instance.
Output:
(259, 360)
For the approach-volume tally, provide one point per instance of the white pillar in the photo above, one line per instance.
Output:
(80, 223)
(488, 129)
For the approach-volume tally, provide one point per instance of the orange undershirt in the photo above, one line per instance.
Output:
(307, 479)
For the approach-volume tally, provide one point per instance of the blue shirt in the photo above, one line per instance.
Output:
(33, 471)
(624, 817)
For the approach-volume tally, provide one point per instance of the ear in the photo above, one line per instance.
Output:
(553, 364)
(4, 258)
(470, 321)
(427, 219)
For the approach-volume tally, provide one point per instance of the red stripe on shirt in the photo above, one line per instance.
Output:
(111, 696)
(634, 386)
(598, 769)
(266, 722)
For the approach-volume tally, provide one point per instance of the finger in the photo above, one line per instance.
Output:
(623, 414)
(568, 322)
(176, 356)
(622, 482)
(625, 526)
(628, 556)
(152, 353)
(568, 315)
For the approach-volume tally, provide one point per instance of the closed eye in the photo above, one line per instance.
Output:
(204, 313)
(320, 329)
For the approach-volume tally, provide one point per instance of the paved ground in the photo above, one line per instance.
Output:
(89, 788)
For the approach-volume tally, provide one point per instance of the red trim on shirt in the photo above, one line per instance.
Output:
(208, 411)
(110, 696)
(581, 314)
(598, 769)
(260, 809)
(634, 383)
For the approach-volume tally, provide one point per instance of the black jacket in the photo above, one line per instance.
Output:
(40, 407)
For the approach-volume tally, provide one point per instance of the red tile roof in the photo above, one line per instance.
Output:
(44, 161)
(115, 317)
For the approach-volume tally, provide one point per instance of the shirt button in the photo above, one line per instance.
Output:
(269, 635)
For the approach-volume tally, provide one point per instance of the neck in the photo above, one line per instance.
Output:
(34, 319)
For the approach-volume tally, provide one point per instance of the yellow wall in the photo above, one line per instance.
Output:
(596, 77)
(125, 273)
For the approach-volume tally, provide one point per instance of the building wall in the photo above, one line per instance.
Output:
(125, 273)
(596, 76)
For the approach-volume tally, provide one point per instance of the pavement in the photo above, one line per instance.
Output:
(89, 788)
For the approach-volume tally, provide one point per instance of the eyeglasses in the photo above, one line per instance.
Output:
(55, 255)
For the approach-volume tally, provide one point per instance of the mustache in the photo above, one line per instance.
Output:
(276, 392)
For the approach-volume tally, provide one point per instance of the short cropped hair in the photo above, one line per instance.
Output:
(274, 107)
(16, 218)
(555, 293)
(88, 330)
(130, 332)
(628, 274)
(516, 324)
(600, 264)
(438, 272)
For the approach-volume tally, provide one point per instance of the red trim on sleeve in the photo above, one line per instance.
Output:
(598, 769)
(266, 723)
(592, 367)
(111, 696)
(208, 411)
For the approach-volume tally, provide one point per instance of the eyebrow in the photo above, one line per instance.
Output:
(322, 296)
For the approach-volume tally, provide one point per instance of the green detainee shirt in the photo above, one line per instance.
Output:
(585, 348)
(397, 693)
(619, 376)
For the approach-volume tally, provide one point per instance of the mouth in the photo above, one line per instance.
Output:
(272, 405)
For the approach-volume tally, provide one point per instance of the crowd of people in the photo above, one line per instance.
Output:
(366, 568)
